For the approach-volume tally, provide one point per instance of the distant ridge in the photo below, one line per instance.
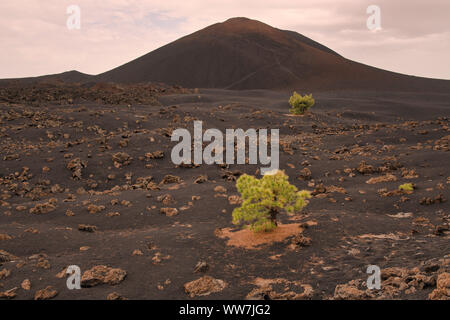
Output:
(68, 76)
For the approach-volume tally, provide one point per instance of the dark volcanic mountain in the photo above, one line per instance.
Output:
(246, 54)
(241, 54)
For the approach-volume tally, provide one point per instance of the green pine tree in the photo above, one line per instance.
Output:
(300, 104)
(263, 199)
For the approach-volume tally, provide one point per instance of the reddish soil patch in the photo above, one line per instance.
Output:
(248, 239)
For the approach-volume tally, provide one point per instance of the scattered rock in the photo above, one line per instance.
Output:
(300, 241)
(168, 179)
(442, 291)
(45, 294)
(87, 228)
(92, 208)
(204, 286)
(220, 189)
(364, 168)
(293, 290)
(102, 275)
(427, 200)
(155, 155)
(349, 291)
(8, 294)
(76, 165)
(401, 215)
(166, 199)
(26, 285)
(4, 236)
(442, 229)
(201, 179)
(201, 266)
(43, 208)
(305, 174)
(386, 178)
(319, 189)
(231, 175)
(43, 263)
(121, 159)
(113, 214)
(234, 200)
(6, 257)
(5, 273)
(115, 296)
(170, 212)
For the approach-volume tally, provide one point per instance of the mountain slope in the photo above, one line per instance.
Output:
(246, 54)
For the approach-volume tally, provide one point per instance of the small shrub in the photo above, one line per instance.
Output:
(263, 199)
(300, 104)
(406, 187)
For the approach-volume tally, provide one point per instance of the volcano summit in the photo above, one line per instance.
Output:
(241, 54)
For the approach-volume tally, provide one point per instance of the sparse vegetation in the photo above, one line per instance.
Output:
(263, 199)
(406, 187)
(300, 104)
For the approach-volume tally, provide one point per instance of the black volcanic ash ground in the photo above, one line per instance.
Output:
(109, 213)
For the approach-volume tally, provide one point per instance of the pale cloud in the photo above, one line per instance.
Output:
(415, 38)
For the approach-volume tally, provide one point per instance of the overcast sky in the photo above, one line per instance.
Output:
(35, 40)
